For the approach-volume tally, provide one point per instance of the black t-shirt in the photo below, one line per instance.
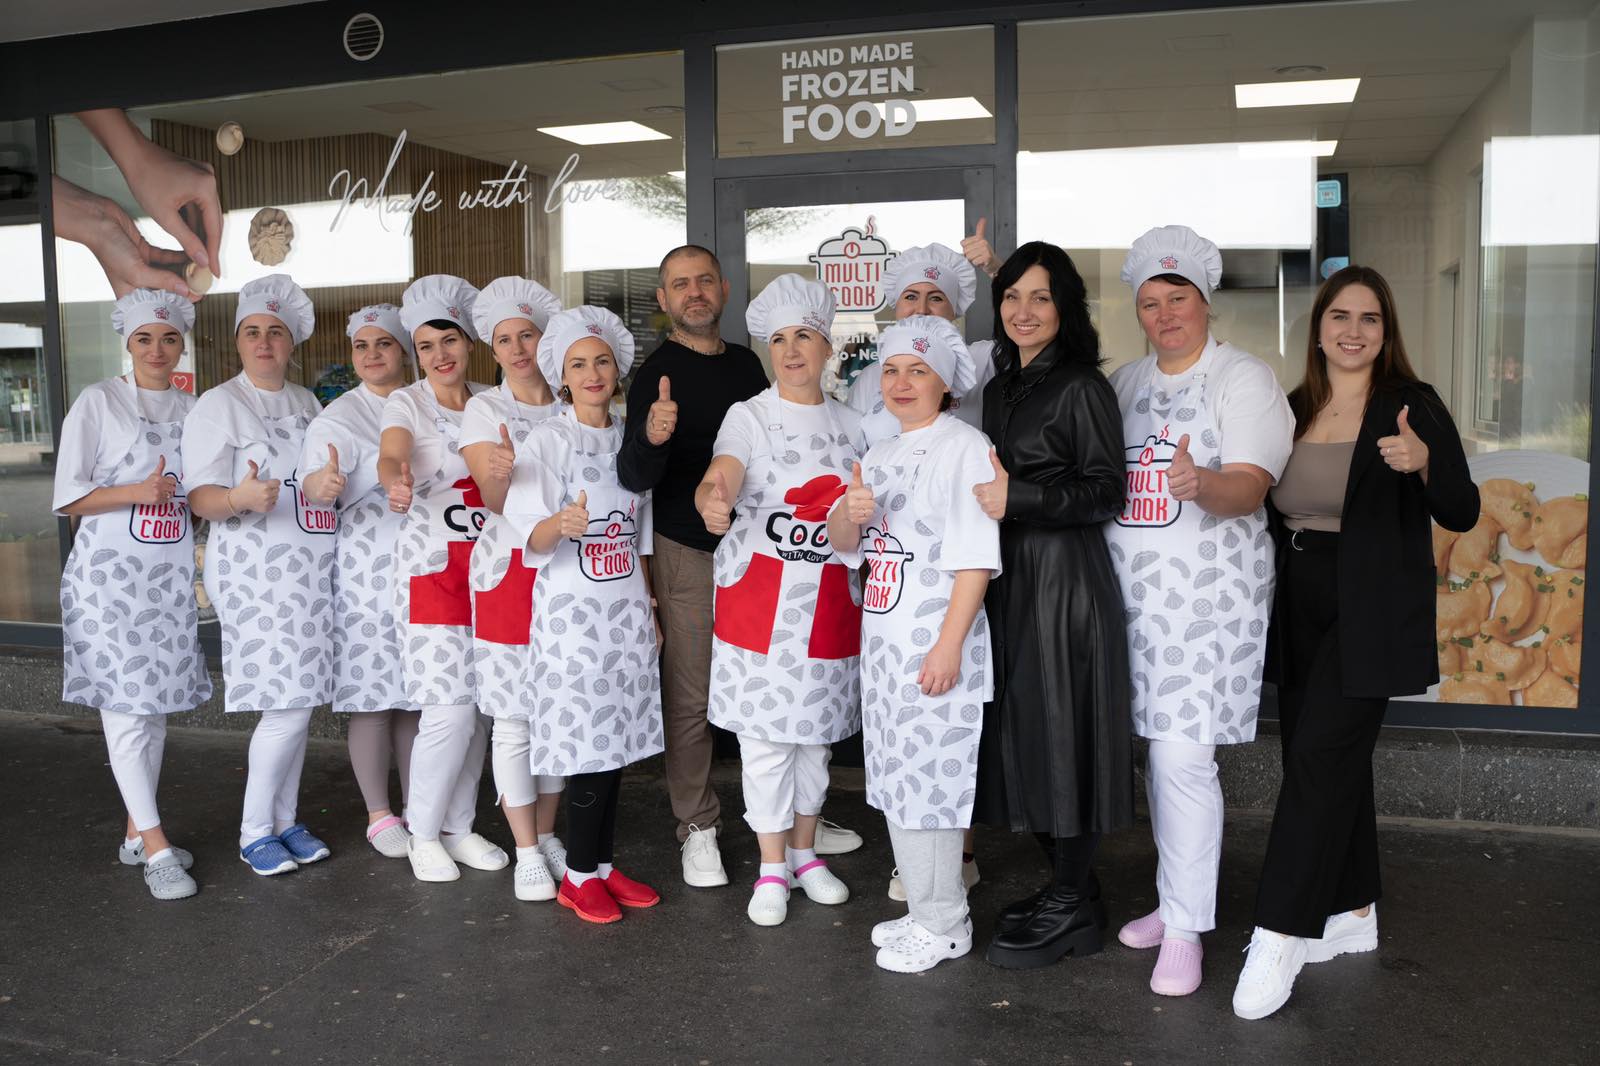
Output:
(703, 387)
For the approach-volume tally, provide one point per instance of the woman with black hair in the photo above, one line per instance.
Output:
(1055, 756)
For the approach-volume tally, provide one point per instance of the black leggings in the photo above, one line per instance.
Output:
(591, 818)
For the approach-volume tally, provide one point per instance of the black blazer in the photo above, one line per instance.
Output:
(1386, 571)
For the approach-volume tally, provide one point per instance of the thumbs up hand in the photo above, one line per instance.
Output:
(1404, 451)
(253, 493)
(575, 516)
(859, 502)
(156, 489)
(978, 251)
(400, 490)
(504, 457)
(1183, 477)
(326, 484)
(717, 508)
(662, 417)
(992, 494)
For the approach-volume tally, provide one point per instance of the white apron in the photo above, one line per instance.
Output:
(502, 599)
(1198, 588)
(128, 613)
(270, 577)
(432, 598)
(787, 618)
(921, 751)
(367, 674)
(594, 694)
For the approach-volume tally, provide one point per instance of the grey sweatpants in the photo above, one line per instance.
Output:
(930, 869)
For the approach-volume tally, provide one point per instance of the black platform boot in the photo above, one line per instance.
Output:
(1016, 914)
(1064, 922)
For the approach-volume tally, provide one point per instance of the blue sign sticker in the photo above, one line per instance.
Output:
(1329, 194)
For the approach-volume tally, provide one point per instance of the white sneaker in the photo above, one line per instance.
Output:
(920, 950)
(969, 874)
(769, 903)
(555, 857)
(702, 859)
(897, 887)
(835, 839)
(819, 883)
(886, 933)
(1269, 971)
(1345, 934)
(430, 862)
(532, 881)
(470, 849)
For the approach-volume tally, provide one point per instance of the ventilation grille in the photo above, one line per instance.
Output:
(363, 37)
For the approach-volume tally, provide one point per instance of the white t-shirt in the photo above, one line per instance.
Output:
(224, 430)
(351, 424)
(100, 430)
(417, 410)
(489, 410)
(1254, 422)
(745, 432)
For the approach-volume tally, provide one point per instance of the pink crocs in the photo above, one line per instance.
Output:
(1177, 971)
(1146, 932)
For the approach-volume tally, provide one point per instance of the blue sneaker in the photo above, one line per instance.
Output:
(302, 846)
(268, 856)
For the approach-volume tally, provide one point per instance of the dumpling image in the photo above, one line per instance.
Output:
(1443, 540)
(1461, 608)
(1450, 657)
(1565, 620)
(1476, 552)
(1550, 690)
(1565, 658)
(1508, 664)
(1522, 605)
(1561, 530)
(1512, 504)
(1474, 687)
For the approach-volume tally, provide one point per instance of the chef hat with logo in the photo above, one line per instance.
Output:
(277, 295)
(512, 297)
(386, 317)
(144, 307)
(935, 341)
(791, 300)
(438, 297)
(1173, 250)
(942, 267)
(568, 327)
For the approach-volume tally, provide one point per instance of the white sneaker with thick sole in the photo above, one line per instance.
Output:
(1267, 979)
(835, 839)
(702, 859)
(920, 950)
(430, 862)
(1345, 934)
(470, 849)
(897, 887)
(532, 881)
(769, 903)
(555, 858)
(886, 933)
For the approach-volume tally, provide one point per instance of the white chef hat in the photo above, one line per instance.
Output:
(791, 300)
(944, 268)
(935, 341)
(568, 327)
(1173, 250)
(512, 297)
(143, 307)
(435, 297)
(277, 295)
(386, 317)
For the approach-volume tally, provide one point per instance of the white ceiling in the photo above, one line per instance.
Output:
(25, 20)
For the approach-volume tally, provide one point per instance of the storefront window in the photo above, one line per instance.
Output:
(1300, 140)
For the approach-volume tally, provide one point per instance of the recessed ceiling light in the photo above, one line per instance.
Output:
(1300, 70)
(663, 109)
(1296, 93)
(1286, 149)
(605, 133)
(399, 107)
(947, 109)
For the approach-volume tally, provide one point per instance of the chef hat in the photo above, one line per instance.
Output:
(812, 500)
(386, 317)
(939, 266)
(936, 342)
(435, 297)
(512, 297)
(1173, 250)
(791, 300)
(142, 307)
(568, 327)
(277, 295)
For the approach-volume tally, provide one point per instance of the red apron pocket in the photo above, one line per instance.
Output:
(504, 614)
(744, 611)
(836, 626)
(445, 598)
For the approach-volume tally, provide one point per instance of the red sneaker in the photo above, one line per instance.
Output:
(591, 901)
(630, 893)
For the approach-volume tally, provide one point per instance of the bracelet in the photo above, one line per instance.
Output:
(233, 512)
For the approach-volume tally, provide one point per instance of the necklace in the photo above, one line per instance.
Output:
(682, 338)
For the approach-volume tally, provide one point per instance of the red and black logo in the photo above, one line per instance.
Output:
(801, 536)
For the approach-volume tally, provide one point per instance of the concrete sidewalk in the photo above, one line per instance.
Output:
(1488, 946)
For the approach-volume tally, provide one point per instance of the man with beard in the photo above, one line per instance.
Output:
(676, 404)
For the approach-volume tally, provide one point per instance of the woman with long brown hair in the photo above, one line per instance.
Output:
(1376, 455)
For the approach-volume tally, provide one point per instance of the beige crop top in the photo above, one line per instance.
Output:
(1310, 494)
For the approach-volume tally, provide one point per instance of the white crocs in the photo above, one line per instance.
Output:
(919, 950)
(886, 933)
(769, 903)
(470, 849)
(133, 854)
(431, 862)
(166, 877)
(818, 883)
(388, 837)
(532, 881)
(555, 857)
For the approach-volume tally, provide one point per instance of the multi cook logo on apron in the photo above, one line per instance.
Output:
(161, 523)
(1147, 501)
(886, 570)
(801, 536)
(313, 518)
(606, 551)
(467, 517)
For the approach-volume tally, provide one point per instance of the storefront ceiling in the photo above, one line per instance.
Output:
(27, 20)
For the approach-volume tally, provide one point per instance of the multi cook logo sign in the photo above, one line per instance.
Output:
(851, 265)
(831, 86)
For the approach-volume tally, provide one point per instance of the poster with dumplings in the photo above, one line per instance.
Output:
(1511, 590)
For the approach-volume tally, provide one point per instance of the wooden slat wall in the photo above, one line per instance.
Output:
(479, 245)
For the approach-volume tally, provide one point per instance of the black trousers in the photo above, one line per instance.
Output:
(591, 818)
(1322, 852)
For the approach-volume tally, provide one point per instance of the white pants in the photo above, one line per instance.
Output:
(446, 767)
(781, 781)
(1186, 815)
(929, 861)
(272, 785)
(135, 743)
(510, 754)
